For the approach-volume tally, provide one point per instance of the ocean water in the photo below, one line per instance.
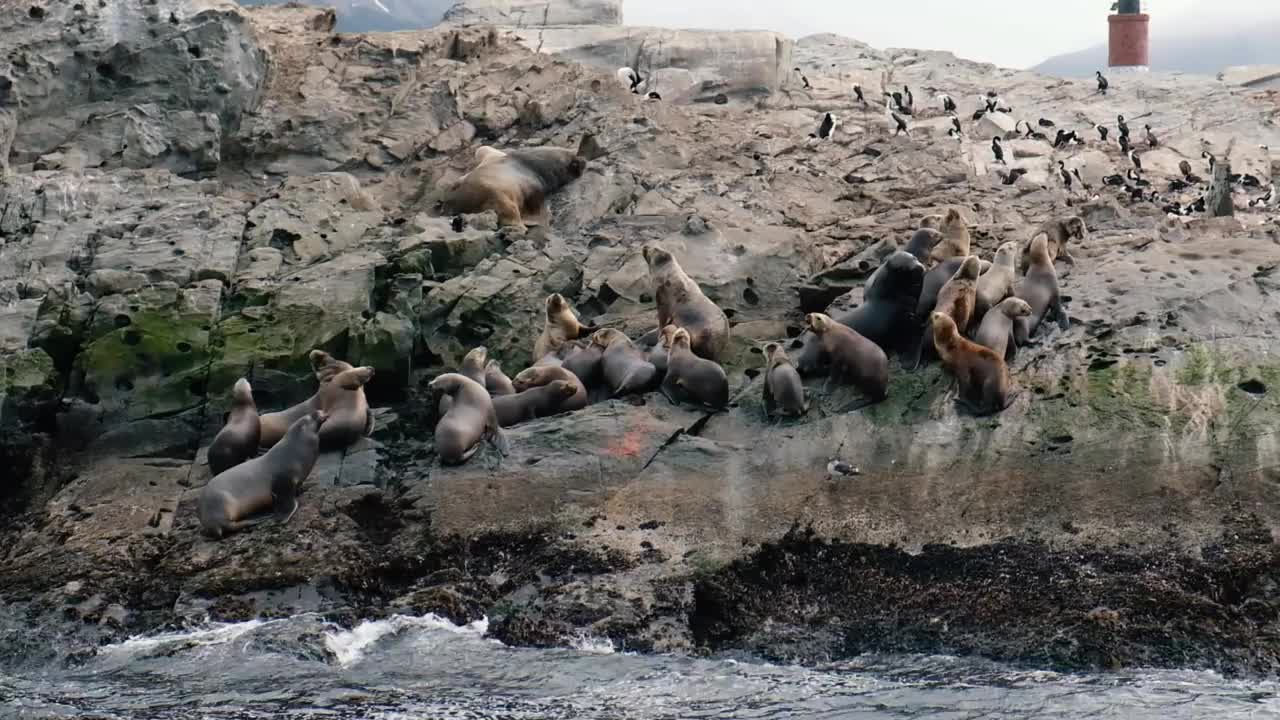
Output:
(406, 668)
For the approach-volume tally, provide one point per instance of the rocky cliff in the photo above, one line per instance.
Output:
(202, 192)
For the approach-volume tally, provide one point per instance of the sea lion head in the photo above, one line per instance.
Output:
(970, 269)
(242, 392)
(354, 379)
(1075, 227)
(1015, 307)
(903, 262)
(447, 384)
(953, 218)
(529, 377)
(943, 326)
(818, 322)
(665, 337)
(1040, 248)
(326, 366)
(775, 355)
(556, 304)
(680, 338)
(607, 337)
(931, 222)
(475, 358)
(656, 257)
(1007, 255)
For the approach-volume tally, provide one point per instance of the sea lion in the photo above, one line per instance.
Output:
(982, 374)
(560, 326)
(540, 401)
(783, 389)
(496, 381)
(938, 276)
(237, 441)
(956, 300)
(625, 368)
(854, 359)
(996, 284)
(516, 183)
(470, 420)
(931, 222)
(1039, 288)
(586, 361)
(340, 396)
(658, 353)
(922, 243)
(692, 378)
(537, 376)
(682, 303)
(264, 483)
(473, 366)
(996, 330)
(955, 237)
(1059, 232)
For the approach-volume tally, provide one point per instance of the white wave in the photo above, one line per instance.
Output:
(348, 646)
(212, 634)
(592, 645)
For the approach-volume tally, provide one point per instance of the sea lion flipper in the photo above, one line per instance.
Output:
(284, 502)
(1064, 322)
(368, 423)
(496, 436)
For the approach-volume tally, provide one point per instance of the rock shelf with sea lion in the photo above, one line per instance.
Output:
(537, 402)
(340, 396)
(237, 441)
(270, 482)
(540, 375)
(470, 420)
(516, 183)
(682, 303)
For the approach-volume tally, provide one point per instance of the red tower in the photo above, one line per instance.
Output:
(1129, 42)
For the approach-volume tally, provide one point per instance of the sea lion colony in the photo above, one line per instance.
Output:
(930, 298)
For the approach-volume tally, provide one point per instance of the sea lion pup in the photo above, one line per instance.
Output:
(682, 303)
(783, 389)
(996, 284)
(516, 183)
(625, 368)
(237, 441)
(922, 243)
(540, 375)
(1039, 288)
(955, 237)
(496, 381)
(983, 377)
(854, 359)
(560, 326)
(343, 401)
(536, 402)
(470, 420)
(264, 483)
(691, 378)
(996, 331)
(938, 276)
(956, 300)
(658, 353)
(1059, 232)
(473, 366)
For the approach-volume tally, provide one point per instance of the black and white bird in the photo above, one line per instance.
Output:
(897, 121)
(948, 105)
(1152, 140)
(1065, 174)
(1172, 209)
(825, 128)
(955, 130)
(630, 78)
(1102, 83)
(1046, 123)
(910, 103)
(1212, 160)
(1124, 144)
(1197, 206)
(1064, 137)
(997, 150)
(1178, 185)
(1123, 126)
(1083, 184)
(857, 93)
(1011, 177)
(978, 115)
(1250, 181)
(839, 468)
(1102, 131)
(654, 96)
(804, 79)
(901, 103)
(1113, 180)
(1029, 133)
(1264, 200)
(1136, 179)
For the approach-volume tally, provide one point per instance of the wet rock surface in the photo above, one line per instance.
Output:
(1121, 512)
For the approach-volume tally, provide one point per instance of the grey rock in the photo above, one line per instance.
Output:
(535, 13)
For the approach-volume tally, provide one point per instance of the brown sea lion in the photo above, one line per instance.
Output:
(473, 366)
(984, 380)
(540, 375)
(470, 420)
(691, 378)
(854, 359)
(516, 183)
(625, 368)
(270, 482)
(237, 441)
(536, 402)
(560, 326)
(956, 300)
(955, 237)
(938, 276)
(996, 283)
(340, 396)
(783, 390)
(1039, 287)
(586, 361)
(996, 330)
(1059, 232)
(496, 381)
(658, 353)
(681, 303)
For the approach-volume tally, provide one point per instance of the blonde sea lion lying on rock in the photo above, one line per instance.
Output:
(982, 374)
(537, 402)
(340, 396)
(540, 375)
(625, 368)
(237, 441)
(682, 303)
(471, 418)
(231, 499)
(515, 184)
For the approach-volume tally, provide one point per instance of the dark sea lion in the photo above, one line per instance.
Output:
(1039, 288)
(344, 402)
(540, 375)
(983, 377)
(516, 184)
(625, 368)
(269, 482)
(560, 326)
(956, 300)
(783, 389)
(682, 303)
(237, 441)
(470, 420)
(922, 243)
(1058, 232)
(536, 402)
(496, 381)
(854, 359)
(586, 361)
(691, 378)
(996, 330)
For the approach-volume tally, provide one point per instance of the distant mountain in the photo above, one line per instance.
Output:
(1204, 52)
(378, 15)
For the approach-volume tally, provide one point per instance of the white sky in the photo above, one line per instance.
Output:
(1010, 33)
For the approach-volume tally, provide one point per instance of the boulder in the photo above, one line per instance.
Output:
(535, 13)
